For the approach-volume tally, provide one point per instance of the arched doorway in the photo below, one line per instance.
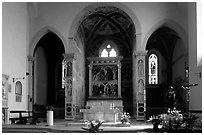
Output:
(48, 73)
(165, 66)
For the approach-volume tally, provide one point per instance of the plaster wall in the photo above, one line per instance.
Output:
(179, 59)
(14, 49)
(151, 14)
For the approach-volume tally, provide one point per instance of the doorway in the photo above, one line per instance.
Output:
(48, 73)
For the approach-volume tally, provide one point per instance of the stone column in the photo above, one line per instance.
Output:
(6, 116)
(90, 78)
(68, 64)
(30, 81)
(119, 79)
(139, 93)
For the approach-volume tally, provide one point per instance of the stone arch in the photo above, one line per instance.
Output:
(171, 24)
(43, 32)
(83, 13)
(86, 11)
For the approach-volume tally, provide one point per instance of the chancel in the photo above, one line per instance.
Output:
(105, 100)
(100, 60)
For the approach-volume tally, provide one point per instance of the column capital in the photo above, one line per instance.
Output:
(140, 53)
(69, 56)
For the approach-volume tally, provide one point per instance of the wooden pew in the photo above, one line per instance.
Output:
(21, 119)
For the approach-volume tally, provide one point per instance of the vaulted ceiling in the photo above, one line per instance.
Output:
(107, 23)
(164, 40)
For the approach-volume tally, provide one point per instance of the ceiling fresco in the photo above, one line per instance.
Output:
(107, 23)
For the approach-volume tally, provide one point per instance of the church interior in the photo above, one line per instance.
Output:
(97, 60)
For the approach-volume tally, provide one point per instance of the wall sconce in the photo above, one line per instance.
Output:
(18, 78)
(27, 73)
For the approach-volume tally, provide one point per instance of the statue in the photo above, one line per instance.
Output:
(140, 67)
(170, 97)
(141, 90)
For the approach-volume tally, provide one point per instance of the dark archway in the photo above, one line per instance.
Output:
(48, 72)
(169, 48)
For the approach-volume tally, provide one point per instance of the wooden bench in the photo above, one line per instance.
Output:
(21, 119)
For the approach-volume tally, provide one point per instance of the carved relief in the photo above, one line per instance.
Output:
(140, 90)
(68, 84)
(140, 67)
(69, 69)
(140, 99)
(69, 87)
(68, 110)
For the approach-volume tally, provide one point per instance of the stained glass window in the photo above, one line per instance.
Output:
(112, 53)
(104, 53)
(108, 51)
(153, 69)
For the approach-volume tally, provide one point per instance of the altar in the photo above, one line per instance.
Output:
(107, 110)
(104, 101)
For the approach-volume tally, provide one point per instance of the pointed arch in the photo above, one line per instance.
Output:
(171, 24)
(85, 12)
(43, 32)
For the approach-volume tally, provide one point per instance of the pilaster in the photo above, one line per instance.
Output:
(139, 98)
(67, 84)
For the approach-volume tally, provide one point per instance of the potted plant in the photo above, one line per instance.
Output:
(49, 115)
(93, 126)
(125, 118)
(156, 120)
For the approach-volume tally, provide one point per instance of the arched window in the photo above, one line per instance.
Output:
(18, 91)
(107, 51)
(153, 69)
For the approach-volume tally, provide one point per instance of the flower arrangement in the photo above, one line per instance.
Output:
(49, 108)
(172, 120)
(93, 126)
(156, 121)
(189, 120)
(125, 118)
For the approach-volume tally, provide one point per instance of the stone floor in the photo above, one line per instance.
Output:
(63, 126)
